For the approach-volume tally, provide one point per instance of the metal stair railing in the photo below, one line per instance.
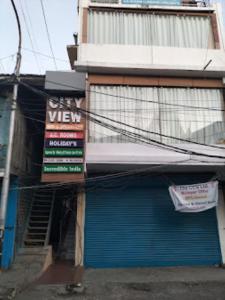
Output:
(28, 218)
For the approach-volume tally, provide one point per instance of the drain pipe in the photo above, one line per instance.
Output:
(6, 178)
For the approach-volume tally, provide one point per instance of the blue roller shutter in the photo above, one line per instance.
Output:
(135, 225)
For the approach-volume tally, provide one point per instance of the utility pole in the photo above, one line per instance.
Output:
(6, 178)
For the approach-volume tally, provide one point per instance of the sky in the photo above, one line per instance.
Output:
(62, 22)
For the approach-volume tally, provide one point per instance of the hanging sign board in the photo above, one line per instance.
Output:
(75, 127)
(195, 197)
(63, 169)
(64, 155)
(64, 160)
(64, 143)
(54, 152)
(63, 113)
(63, 135)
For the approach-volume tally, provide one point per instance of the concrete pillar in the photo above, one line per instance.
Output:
(220, 211)
(80, 222)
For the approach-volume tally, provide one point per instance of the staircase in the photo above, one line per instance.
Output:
(39, 221)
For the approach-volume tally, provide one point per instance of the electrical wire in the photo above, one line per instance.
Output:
(6, 81)
(75, 88)
(86, 112)
(8, 56)
(30, 36)
(45, 55)
(151, 132)
(146, 140)
(2, 66)
(31, 25)
(48, 34)
(131, 134)
(104, 177)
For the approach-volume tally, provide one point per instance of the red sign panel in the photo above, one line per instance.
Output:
(64, 135)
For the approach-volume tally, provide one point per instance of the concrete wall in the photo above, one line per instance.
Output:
(146, 59)
(127, 155)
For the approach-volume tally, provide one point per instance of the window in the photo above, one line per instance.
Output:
(168, 113)
(150, 29)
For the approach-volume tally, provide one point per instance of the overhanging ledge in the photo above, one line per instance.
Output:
(117, 157)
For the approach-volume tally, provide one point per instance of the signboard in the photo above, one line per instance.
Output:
(195, 197)
(64, 160)
(75, 127)
(153, 2)
(64, 141)
(64, 135)
(63, 169)
(63, 152)
(64, 112)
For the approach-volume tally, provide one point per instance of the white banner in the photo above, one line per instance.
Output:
(195, 197)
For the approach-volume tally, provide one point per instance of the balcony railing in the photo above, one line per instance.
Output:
(193, 3)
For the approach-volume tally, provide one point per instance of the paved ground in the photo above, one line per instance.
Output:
(138, 284)
(27, 268)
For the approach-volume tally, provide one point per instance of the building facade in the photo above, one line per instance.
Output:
(42, 202)
(155, 104)
(23, 166)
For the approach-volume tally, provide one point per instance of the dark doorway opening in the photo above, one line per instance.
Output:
(63, 226)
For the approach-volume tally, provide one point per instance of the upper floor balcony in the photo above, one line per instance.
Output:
(150, 42)
(149, 3)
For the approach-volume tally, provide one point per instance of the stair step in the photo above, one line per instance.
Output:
(38, 217)
(43, 199)
(41, 206)
(36, 222)
(41, 213)
(34, 244)
(34, 240)
(41, 202)
(37, 228)
(36, 237)
(40, 194)
(36, 233)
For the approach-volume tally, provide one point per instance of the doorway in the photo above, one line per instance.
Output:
(63, 228)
